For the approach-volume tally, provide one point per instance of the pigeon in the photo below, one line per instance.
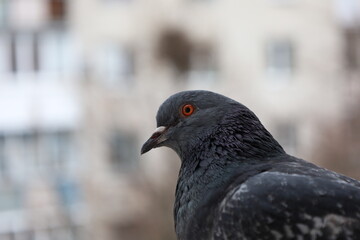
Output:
(237, 182)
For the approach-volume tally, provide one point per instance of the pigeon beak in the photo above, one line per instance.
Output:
(156, 138)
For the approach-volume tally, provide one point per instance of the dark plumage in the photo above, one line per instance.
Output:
(237, 182)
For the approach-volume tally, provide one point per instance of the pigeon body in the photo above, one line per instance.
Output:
(237, 182)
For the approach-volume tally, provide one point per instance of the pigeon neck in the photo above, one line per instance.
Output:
(225, 143)
(238, 135)
(242, 135)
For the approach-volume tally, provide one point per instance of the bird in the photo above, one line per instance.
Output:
(237, 182)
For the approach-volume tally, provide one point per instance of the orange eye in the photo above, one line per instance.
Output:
(187, 110)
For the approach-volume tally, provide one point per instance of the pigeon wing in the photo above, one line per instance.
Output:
(276, 205)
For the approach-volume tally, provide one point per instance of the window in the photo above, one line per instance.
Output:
(123, 150)
(49, 52)
(3, 160)
(29, 144)
(19, 157)
(55, 53)
(23, 56)
(30, 153)
(116, 65)
(25, 52)
(5, 60)
(57, 10)
(352, 48)
(280, 58)
(286, 134)
(68, 191)
(3, 11)
(10, 197)
(174, 48)
(60, 149)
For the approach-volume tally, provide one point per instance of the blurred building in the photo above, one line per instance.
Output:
(81, 81)
(40, 115)
(286, 60)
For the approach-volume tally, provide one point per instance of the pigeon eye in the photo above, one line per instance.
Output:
(187, 110)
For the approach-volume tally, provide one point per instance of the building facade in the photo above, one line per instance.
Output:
(81, 81)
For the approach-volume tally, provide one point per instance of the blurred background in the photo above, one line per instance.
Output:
(81, 81)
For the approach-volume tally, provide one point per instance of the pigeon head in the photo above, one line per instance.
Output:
(186, 119)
